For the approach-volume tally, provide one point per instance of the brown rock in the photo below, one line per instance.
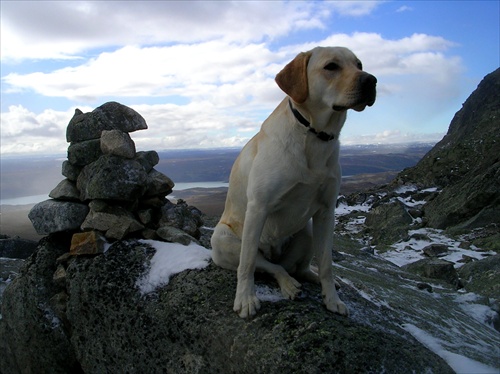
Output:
(87, 243)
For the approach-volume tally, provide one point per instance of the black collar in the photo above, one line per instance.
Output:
(321, 135)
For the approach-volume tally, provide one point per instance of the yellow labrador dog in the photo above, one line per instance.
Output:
(283, 187)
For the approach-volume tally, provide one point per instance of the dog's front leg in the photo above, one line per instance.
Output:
(246, 303)
(323, 224)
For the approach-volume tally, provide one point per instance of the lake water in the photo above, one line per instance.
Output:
(25, 200)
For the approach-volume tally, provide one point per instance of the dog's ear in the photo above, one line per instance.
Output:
(293, 78)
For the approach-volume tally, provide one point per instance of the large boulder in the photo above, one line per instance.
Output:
(98, 320)
(83, 153)
(388, 222)
(109, 116)
(52, 216)
(182, 216)
(435, 268)
(482, 277)
(65, 190)
(114, 221)
(118, 143)
(148, 159)
(112, 178)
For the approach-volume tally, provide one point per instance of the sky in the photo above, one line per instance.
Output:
(201, 73)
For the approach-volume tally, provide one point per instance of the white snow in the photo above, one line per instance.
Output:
(431, 189)
(406, 252)
(266, 293)
(170, 259)
(460, 364)
(344, 209)
(404, 189)
(470, 303)
(409, 202)
(365, 295)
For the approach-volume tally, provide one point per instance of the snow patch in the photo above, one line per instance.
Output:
(170, 259)
(405, 189)
(365, 295)
(408, 251)
(344, 209)
(460, 364)
(468, 302)
(266, 293)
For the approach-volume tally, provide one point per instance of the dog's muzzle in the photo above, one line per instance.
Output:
(364, 93)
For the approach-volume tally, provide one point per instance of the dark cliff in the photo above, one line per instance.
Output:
(465, 163)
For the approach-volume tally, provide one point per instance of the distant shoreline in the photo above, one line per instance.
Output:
(209, 197)
(181, 186)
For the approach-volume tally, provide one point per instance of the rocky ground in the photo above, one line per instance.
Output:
(456, 320)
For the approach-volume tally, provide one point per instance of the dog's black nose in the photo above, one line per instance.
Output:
(368, 84)
(367, 81)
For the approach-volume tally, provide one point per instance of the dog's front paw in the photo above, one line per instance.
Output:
(335, 305)
(246, 306)
(290, 288)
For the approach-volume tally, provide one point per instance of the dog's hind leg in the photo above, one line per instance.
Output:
(226, 247)
(289, 286)
(298, 256)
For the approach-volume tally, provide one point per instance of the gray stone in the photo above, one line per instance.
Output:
(435, 268)
(181, 216)
(52, 216)
(65, 190)
(83, 126)
(482, 277)
(112, 178)
(109, 116)
(158, 184)
(120, 117)
(388, 222)
(98, 205)
(84, 153)
(148, 159)
(435, 250)
(118, 143)
(174, 235)
(70, 171)
(114, 221)
(145, 216)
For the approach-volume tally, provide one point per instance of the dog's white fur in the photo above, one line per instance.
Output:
(286, 175)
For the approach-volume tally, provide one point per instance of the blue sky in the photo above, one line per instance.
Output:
(202, 73)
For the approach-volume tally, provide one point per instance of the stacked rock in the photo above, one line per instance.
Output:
(110, 188)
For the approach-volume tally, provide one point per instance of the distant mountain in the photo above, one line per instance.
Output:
(215, 165)
(465, 164)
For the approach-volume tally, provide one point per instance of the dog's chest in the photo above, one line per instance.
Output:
(292, 210)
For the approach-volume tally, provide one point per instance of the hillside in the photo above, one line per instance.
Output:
(465, 164)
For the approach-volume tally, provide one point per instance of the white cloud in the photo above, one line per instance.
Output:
(228, 88)
(71, 27)
(404, 8)
(194, 71)
(23, 131)
(204, 71)
(229, 73)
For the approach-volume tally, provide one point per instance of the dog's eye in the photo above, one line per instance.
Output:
(331, 66)
(360, 65)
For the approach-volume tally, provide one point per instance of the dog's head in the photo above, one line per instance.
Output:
(328, 76)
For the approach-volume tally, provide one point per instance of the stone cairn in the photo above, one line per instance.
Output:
(111, 191)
